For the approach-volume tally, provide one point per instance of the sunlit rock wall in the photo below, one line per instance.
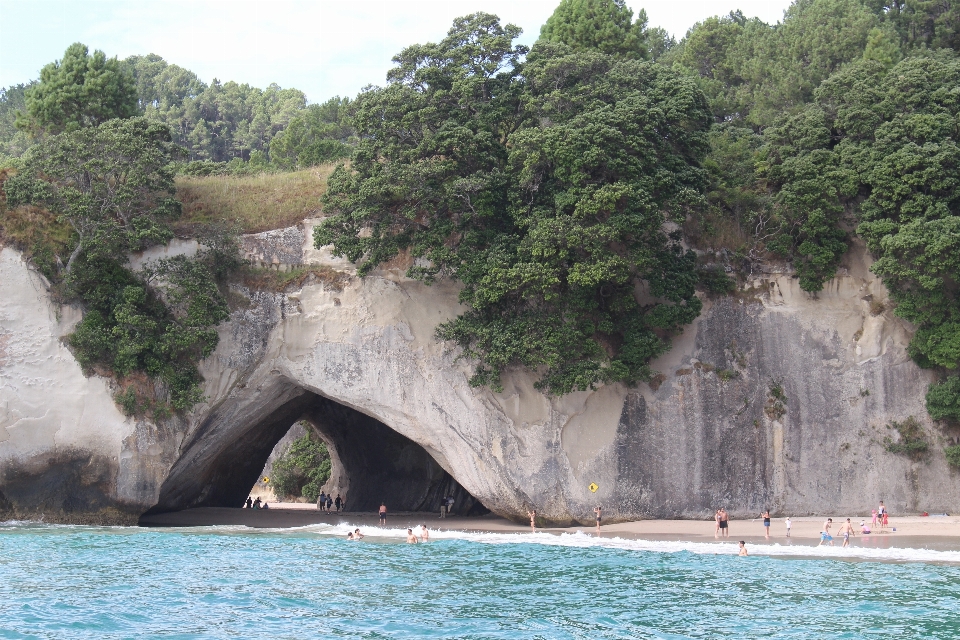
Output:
(705, 435)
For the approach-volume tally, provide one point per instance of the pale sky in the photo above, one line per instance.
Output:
(323, 47)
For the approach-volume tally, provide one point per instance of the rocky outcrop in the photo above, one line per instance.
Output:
(773, 398)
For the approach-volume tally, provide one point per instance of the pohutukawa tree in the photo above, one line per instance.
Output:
(543, 183)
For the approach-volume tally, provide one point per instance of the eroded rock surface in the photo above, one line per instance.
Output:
(707, 434)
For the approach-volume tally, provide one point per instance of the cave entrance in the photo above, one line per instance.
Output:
(370, 462)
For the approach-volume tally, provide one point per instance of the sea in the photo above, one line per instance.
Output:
(60, 581)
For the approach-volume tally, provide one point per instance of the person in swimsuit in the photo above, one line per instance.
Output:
(598, 510)
(724, 523)
(533, 520)
(825, 534)
(766, 523)
(864, 529)
(716, 523)
(789, 524)
(357, 535)
(846, 530)
(350, 535)
(383, 513)
(424, 534)
(743, 549)
(411, 539)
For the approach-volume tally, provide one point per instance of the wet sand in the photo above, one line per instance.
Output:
(933, 532)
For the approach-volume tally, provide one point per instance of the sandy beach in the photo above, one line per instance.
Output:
(942, 532)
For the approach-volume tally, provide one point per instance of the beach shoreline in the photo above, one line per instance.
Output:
(908, 531)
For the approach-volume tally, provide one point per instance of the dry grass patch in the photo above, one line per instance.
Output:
(259, 203)
(272, 280)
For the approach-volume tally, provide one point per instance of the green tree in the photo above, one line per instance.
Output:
(302, 469)
(13, 141)
(81, 90)
(318, 134)
(599, 25)
(543, 189)
(113, 183)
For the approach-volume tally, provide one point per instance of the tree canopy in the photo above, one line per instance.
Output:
(544, 186)
(606, 26)
(81, 90)
(113, 184)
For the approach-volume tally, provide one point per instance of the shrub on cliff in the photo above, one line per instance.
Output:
(543, 185)
(113, 184)
(943, 400)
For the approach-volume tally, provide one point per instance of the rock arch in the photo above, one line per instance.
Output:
(371, 463)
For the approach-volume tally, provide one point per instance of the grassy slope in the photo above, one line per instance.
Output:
(259, 203)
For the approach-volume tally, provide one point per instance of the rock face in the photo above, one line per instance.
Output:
(773, 399)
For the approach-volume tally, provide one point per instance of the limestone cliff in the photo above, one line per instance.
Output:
(360, 362)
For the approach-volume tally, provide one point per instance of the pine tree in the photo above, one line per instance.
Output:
(601, 25)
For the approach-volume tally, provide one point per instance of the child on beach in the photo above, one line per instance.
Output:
(873, 522)
(864, 529)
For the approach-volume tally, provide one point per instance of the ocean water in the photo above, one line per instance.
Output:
(235, 582)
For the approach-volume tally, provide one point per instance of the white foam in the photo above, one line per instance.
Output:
(582, 540)
(576, 540)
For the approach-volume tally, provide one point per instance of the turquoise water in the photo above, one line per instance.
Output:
(233, 582)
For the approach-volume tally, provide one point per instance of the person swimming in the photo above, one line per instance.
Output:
(411, 539)
(357, 535)
(743, 549)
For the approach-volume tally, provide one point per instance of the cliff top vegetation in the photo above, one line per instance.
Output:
(542, 179)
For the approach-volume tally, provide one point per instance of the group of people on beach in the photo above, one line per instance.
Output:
(847, 530)
(880, 516)
(255, 504)
(326, 502)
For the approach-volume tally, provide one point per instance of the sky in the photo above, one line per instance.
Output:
(322, 47)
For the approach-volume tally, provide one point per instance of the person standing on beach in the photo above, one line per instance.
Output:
(321, 501)
(598, 510)
(533, 520)
(743, 549)
(383, 513)
(766, 523)
(825, 534)
(249, 503)
(724, 523)
(716, 523)
(338, 502)
(846, 530)
(789, 525)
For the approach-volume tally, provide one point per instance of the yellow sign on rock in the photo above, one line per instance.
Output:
(266, 479)
(593, 487)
